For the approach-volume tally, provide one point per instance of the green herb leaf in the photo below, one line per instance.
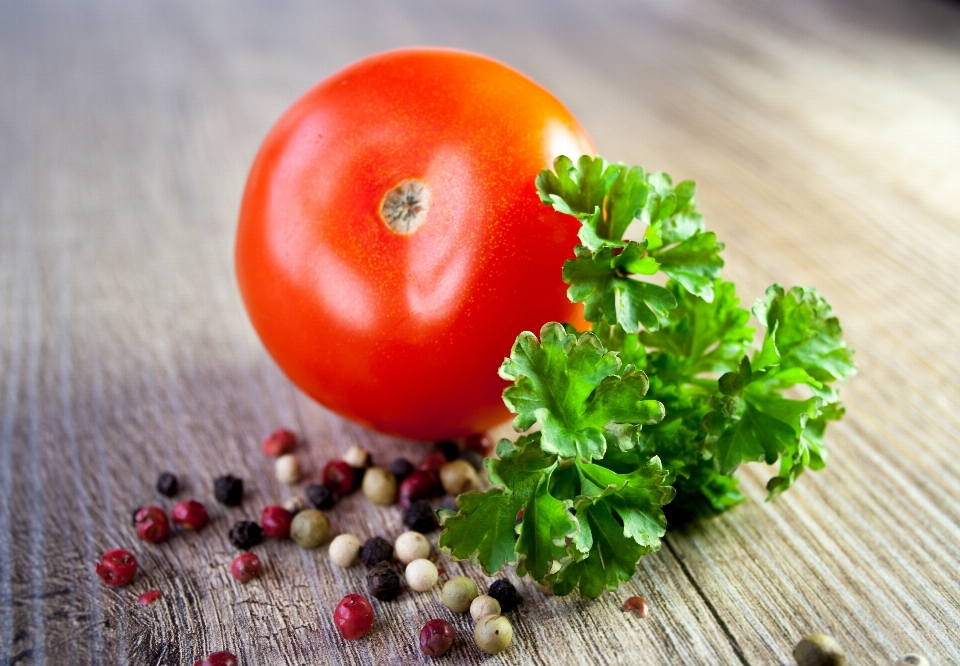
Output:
(694, 262)
(485, 529)
(570, 386)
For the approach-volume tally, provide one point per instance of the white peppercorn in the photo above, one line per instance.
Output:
(421, 575)
(819, 650)
(287, 468)
(458, 593)
(493, 633)
(912, 660)
(482, 606)
(458, 477)
(380, 486)
(356, 456)
(309, 528)
(411, 546)
(345, 550)
(294, 504)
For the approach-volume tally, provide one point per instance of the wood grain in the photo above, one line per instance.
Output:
(825, 138)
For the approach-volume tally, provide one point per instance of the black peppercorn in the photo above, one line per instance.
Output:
(449, 449)
(358, 473)
(383, 582)
(320, 497)
(473, 457)
(228, 489)
(246, 534)
(504, 592)
(401, 468)
(420, 517)
(167, 484)
(376, 550)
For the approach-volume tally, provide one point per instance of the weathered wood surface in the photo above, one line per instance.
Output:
(825, 137)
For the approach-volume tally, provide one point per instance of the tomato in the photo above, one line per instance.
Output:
(391, 244)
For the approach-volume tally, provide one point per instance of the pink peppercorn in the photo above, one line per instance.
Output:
(436, 637)
(218, 659)
(275, 521)
(279, 442)
(190, 515)
(246, 567)
(419, 485)
(639, 605)
(339, 477)
(117, 567)
(149, 597)
(433, 462)
(152, 524)
(353, 617)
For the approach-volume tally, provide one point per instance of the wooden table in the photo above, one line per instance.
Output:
(825, 138)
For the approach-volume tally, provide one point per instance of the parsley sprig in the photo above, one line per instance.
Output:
(661, 401)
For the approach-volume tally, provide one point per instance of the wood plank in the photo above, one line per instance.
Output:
(824, 137)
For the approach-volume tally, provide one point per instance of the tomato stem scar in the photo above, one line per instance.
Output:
(404, 208)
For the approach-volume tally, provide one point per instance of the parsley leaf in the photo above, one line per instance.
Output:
(570, 386)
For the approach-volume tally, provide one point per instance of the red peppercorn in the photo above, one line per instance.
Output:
(151, 523)
(339, 477)
(353, 617)
(639, 605)
(218, 659)
(482, 443)
(279, 442)
(117, 567)
(419, 485)
(275, 521)
(433, 462)
(149, 597)
(190, 515)
(437, 637)
(246, 567)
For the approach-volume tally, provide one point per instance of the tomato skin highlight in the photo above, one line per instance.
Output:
(404, 333)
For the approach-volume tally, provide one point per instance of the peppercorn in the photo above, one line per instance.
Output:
(417, 486)
(149, 597)
(339, 477)
(276, 522)
(152, 524)
(357, 456)
(353, 617)
(912, 660)
(819, 650)
(345, 550)
(380, 486)
(493, 633)
(432, 463)
(190, 515)
(401, 468)
(218, 659)
(449, 449)
(411, 546)
(279, 442)
(475, 458)
(506, 594)
(482, 606)
(459, 477)
(320, 497)
(246, 567)
(167, 484)
(294, 505)
(245, 534)
(481, 443)
(639, 605)
(117, 567)
(458, 593)
(309, 528)
(383, 582)
(228, 489)
(420, 517)
(287, 469)
(437, 637)
(421, 575)
(375, 550)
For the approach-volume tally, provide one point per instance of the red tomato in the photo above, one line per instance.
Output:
(404, 332)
